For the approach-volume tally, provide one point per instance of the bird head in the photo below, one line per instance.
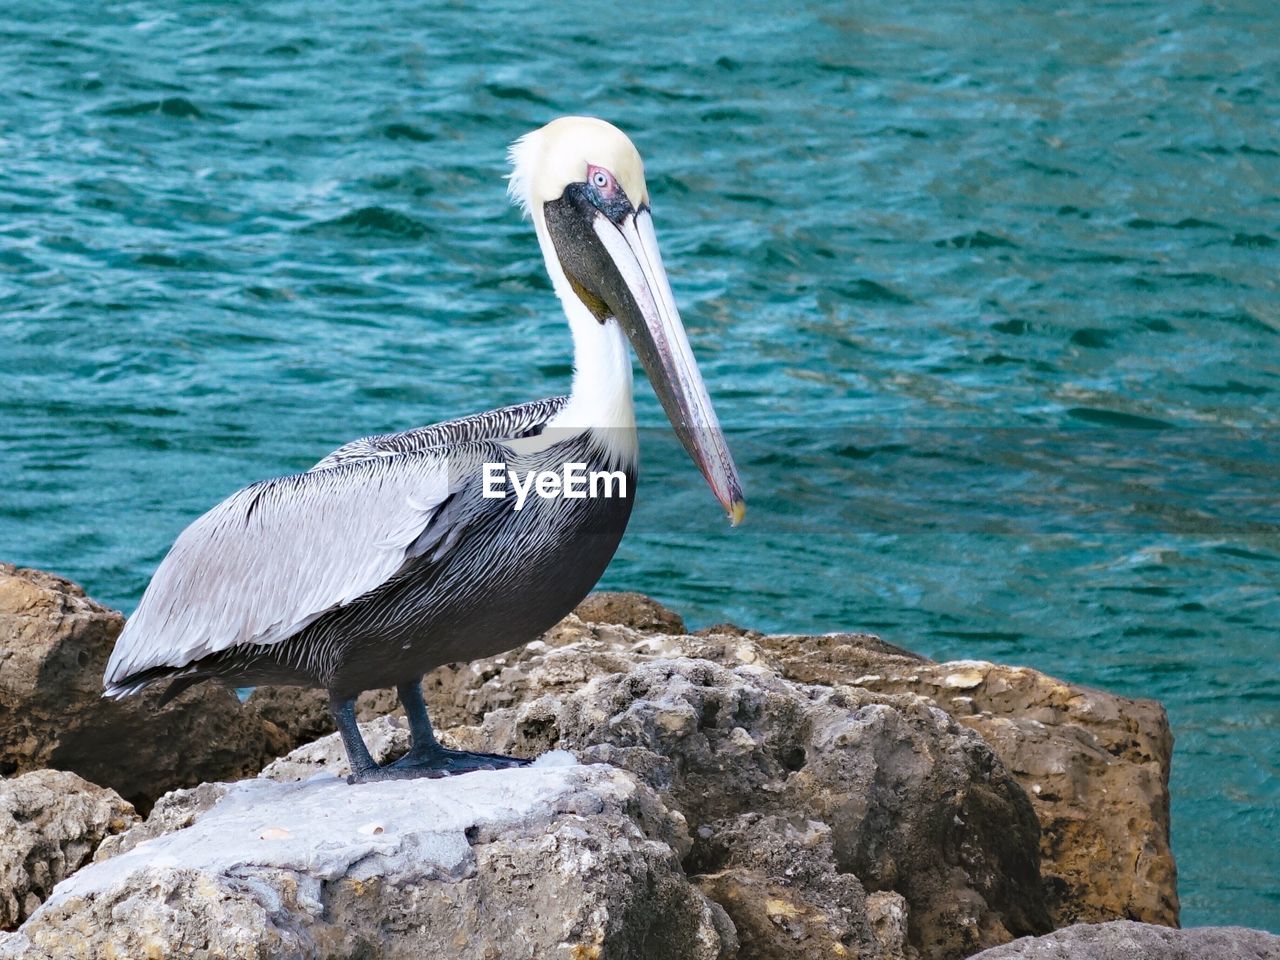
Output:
(581, 180)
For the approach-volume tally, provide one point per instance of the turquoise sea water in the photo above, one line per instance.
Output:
(986, 293)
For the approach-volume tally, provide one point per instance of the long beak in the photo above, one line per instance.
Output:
(652, 323)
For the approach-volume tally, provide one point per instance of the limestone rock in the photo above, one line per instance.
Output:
(174, 811)
(302, 713)
(797, 796)
(54, 644)
(1126, 940)
(50, 824)
(901, 798)
(387, 738)
(555, 860)
(1095, 765)
(776, 879)
(888, 914)
(838, 796)
(14, 946)
(628, 609)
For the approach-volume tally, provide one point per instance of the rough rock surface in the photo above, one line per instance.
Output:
(828, 794)
(902, 797)
(628, 609)
(799, 798)
(54, 644)
(387, 738)
(551, 861)
(1095, 765)
(50, 824)
(1126, 940)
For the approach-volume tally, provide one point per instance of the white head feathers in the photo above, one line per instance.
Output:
(550, 158)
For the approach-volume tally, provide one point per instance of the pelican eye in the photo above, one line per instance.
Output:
(605, 194)
(601, 179)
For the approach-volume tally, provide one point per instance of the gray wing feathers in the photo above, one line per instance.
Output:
(273, 557)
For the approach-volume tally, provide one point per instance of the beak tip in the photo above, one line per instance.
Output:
(737, 510)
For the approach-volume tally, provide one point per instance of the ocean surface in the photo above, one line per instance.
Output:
(985, 292)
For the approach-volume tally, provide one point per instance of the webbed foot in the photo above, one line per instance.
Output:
(426, 758)
(441, 762)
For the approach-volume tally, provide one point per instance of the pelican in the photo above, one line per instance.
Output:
(400, 552)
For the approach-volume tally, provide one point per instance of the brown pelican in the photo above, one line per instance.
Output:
(397, 553)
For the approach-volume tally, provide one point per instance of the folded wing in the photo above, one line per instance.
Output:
(275, 556)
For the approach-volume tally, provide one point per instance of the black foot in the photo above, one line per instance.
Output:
(441, 762)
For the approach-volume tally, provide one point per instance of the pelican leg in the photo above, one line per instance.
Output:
(358, 757)
(425, 743)
(427, 758)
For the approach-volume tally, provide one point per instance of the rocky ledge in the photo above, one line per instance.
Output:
(556, 859)
(724, 794)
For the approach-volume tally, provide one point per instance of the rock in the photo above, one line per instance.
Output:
(627, 609)
(1095, 765)
(887, 791)
(14, 946)
(778, 883)
(54, 644)
(888, 914)
(387, 738)
(174, 811)
(50, 824)
(843, 794)
(797, 796)
(302, 713)
(555, 860)
(1126, 940)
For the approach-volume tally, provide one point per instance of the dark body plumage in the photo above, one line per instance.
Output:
(497, 578)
